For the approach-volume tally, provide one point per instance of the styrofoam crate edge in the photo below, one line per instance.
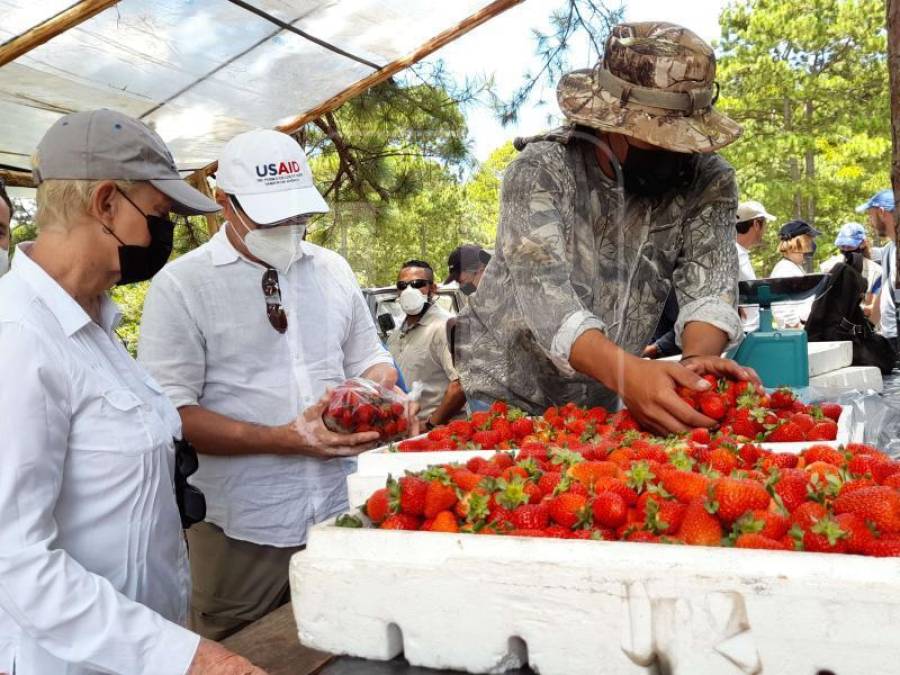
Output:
(826, 357)
(371, 593)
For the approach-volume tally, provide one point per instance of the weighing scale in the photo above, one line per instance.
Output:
(779, 356)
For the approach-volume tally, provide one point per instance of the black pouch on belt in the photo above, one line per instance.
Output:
(191, 502)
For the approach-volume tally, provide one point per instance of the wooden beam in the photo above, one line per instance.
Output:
(484, 14)
(17, 178)
(893, 30)
(199, 181)
(49, 29)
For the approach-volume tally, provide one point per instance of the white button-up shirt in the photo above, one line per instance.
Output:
(93, 566)
(206, 338)
(790, 314)
(747, 273)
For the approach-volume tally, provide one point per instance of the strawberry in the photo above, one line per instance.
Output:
(823, 453)
(825, 536)
(831, 410)
(804, 421)
(885, 469)
(462, 429)
(684, 485)
(883, 548)
(412, 495)
(881, 505)
(569, 509)
(722, 460)
(787, 432)
(746, 428)
(698, 527)
(464, 479)
(558, 532)
(530, 517)
(791, 487)
(444, 521)
(759, 541)
(378, 506)
(609, 510)
(439, 496)
(858, 533)
(473, 507)
(860, 465)
(522, 427)
(487, 440)
(619, 487)
(503, 460)
(891, 481)
(499, 408)
(548, 481)
(808, 514)
(782, 399)
(735, 497)
(823, 431)
(712, 405)
(664, 516)
(701, 436)
(587, 473)
(401, 521)
(481, 419)
(767, 522)
(857, 484)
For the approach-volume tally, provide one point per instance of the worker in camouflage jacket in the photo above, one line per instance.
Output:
(599, 220)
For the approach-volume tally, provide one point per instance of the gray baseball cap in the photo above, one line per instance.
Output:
(108, 145)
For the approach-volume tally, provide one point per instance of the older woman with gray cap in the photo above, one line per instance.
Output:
(93, 566)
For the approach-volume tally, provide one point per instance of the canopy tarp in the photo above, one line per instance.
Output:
(202, 71)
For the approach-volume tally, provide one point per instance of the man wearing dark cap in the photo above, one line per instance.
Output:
(599, 221)
(880, 211)
(467, 264)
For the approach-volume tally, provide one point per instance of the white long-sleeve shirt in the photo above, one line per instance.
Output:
(206, 338)
(747, 273)
(93, 567)
(790, 314)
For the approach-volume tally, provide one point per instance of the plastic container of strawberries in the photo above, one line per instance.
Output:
(360, 405)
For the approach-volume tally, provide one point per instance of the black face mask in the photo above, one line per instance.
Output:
(650, 173)
(468, 288)
(140, 263)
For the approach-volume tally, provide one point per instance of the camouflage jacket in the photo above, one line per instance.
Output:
(574, 252)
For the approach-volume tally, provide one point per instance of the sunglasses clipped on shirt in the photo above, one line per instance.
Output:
(415, 283)
(272, 293)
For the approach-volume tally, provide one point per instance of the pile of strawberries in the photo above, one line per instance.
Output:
(681, 491)
(742, 413)
(360, 405)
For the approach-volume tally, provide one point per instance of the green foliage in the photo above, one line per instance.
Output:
(483, 193)
(807, 79)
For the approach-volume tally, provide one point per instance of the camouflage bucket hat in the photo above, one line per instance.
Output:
(656, 83)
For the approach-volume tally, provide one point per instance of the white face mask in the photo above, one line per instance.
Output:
(412, 301)
(278, 245)
(4, 261)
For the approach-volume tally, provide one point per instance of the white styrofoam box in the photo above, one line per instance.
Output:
(383, 462)
(844, 435)
(854, 378)
(486, 604)
(824, 357)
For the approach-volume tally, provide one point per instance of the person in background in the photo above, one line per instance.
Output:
(467, 264)
(797, 246)
(6, 209)
(93, 566)
(420, 345)
(880, 211)
(752, 219)
(851, 238)
(246, 334)
(663, 342)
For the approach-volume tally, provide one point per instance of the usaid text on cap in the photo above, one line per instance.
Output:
(277, 169)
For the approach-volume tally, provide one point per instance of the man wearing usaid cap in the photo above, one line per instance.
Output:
(752, 218)
(599, 221)
(245, 333)
(93, 568)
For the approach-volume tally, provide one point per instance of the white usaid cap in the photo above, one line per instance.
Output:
(267, 171)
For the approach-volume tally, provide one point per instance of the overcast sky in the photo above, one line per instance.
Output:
(504, 47)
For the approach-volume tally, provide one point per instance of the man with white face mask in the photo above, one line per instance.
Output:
(245, 333)
(5, 218)
(420, 346)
